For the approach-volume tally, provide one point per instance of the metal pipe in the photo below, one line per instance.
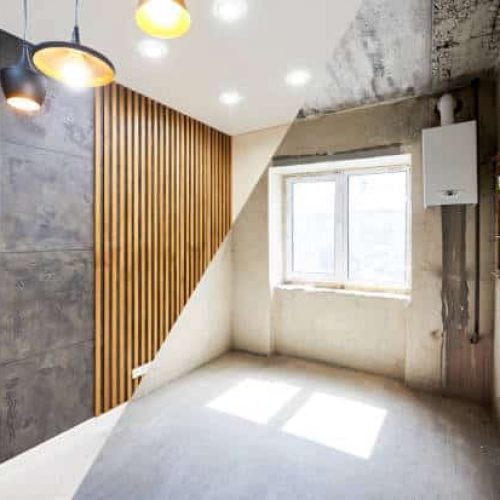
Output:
(446, 108)
(477, 303)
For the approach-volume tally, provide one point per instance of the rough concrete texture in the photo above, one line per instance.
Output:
(496, 355)
(251, 314)
(342, 342)
(397, 49)
(359, 331)
(46, 261)
(44, 395)
(465, 38)
(405, 340)
(384, 54)
(248, 427)
(35, 184)
(496, 339)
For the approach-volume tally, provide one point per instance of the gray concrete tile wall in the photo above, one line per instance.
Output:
(46, 265)
(45, 199)
(44, 395)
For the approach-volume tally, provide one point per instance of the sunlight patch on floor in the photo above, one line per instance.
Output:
(255, 400)
(342, 424)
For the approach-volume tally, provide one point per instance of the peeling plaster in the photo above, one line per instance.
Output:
(465, 38)
(384, 54)
(396, 49)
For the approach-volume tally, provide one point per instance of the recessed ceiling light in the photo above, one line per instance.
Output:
(298, 77)
(230, 98)
(230, 11)
(153, 49)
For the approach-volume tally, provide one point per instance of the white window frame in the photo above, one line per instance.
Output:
(340, 175)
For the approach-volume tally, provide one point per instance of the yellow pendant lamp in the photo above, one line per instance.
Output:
(163, 18)
(73, 63)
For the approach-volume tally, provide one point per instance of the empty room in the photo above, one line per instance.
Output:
(249, 249)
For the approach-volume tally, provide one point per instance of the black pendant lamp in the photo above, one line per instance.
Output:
(22, 85)
(73, 63)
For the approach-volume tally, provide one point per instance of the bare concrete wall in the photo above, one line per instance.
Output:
(496, 347)
(251, 297)
(496, 354)
(404, 340)
(251, 316)
(251, 154)
(46, 266)
(357, 331)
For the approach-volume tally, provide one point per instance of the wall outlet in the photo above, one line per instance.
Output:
(140, 371)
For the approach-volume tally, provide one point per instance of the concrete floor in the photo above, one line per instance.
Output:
(54, 470)
(245, 427)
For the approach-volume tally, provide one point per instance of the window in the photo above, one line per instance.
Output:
(348, 228)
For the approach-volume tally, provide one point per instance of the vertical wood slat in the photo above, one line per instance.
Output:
(107, 251)
(154, 235)
(187, 212)
(114, 256)
(171, 218)
(149, 247)
(129, 250)
(161, 228)
(98, 252)
(166, 303)
(121, 248)
(162, 208)
(142, 222)
(136, 236)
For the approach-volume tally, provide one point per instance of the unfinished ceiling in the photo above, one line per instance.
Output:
(397, 48)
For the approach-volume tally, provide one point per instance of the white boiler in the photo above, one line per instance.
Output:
(450, 164)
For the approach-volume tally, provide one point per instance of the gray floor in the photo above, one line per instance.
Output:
(246, 427)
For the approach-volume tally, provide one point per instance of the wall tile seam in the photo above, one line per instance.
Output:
(88, 250)
(84, 156)
(50, 295)
(7, 364)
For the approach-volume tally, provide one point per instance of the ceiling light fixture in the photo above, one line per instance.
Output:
(230, 11)
(298, 77)
(73, 63)
(153, 49)
(163, 18)
(230, 98)
(23, 87)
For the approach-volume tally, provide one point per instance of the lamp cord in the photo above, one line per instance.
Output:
(76, 31)
(25, 51)
(77, 7)
(25, 29)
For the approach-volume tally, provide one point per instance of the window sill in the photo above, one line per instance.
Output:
(403, 295)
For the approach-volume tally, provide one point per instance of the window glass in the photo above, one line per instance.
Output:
(377, 228)
(313, 226)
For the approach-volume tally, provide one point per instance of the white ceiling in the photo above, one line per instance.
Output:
(251, 56)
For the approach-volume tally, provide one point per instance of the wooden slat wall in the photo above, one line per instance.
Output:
(162, 208)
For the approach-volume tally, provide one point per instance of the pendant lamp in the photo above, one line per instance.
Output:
(22, 85)
(73, 63)
(163, 18)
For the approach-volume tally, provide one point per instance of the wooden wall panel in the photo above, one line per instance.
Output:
(162, 208)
